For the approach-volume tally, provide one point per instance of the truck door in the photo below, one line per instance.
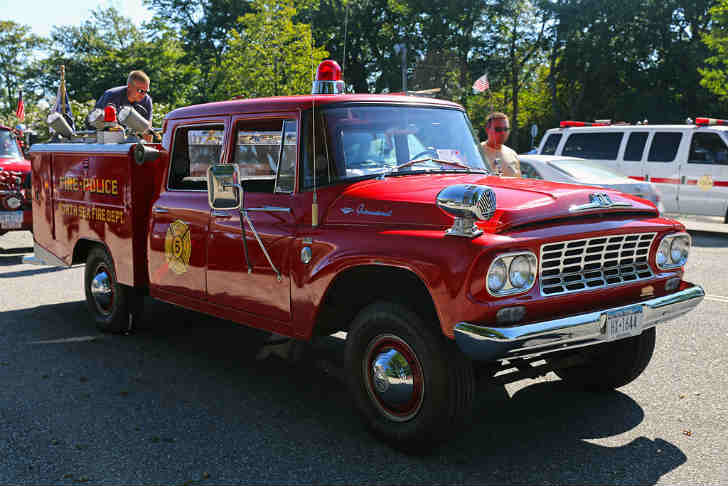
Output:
(265, 152)
(701, 183)
(181, 216)
(661, 167)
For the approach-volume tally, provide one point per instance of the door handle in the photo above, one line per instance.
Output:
(159, 210)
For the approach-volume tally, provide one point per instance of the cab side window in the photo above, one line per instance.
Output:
(194, 150)
(708, 148)
(664, 146)
(549, 147)
(603, 145)
(635, 146)
(262, 147)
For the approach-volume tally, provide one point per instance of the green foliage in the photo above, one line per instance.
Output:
(715, 75)
(269, 55)
(17, 45)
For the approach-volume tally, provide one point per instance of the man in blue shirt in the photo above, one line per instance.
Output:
(134, 94)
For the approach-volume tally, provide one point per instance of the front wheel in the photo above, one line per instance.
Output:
(612, 365)
(114, 306)
(411, 385)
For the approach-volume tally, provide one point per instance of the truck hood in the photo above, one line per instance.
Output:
(411, 201)
(17, 165)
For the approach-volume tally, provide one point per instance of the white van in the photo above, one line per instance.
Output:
(688, 163)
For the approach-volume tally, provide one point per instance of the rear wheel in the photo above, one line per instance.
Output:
(612, 365)
(411, 385)
(114, 306)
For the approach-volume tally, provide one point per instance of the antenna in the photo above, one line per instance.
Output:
(314, 203)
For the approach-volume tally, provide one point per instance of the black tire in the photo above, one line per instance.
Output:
(114, 306)
(612, 365)
(440, 397)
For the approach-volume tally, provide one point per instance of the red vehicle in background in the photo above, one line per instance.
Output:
(15, 204)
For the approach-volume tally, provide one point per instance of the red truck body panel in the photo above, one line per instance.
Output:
(96, 194)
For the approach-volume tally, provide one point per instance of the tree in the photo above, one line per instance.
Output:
(204, 28)
(715, 74)
(100, 53)
(17, 47)
(269, 55)
(520, 40)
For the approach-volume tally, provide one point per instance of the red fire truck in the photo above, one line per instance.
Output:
(15, 203)
(374, 215)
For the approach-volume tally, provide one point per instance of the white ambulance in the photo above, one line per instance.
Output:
(688, 163)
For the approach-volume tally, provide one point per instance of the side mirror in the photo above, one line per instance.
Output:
(223, 189)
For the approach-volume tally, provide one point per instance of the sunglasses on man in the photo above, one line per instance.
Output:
(501, 129)
(142, 91)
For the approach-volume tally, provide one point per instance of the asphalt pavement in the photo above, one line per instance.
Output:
(184, 401)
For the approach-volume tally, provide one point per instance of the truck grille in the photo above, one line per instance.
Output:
(592, 263)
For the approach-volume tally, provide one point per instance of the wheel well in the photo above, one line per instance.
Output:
(82, 249)
(358, 287)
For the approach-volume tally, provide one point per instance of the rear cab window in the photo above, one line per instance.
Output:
(195, 149)
(599, 146)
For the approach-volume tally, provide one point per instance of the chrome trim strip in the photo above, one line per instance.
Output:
(486, 343)
(271, 209)
(41, 256)
(93, 148)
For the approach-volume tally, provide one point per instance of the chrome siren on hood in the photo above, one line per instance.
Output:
(467, 203)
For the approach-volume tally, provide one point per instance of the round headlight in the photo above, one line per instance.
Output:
(662, 253)
(497, 276)
(520, 272)
(679, 250)
(13, 202)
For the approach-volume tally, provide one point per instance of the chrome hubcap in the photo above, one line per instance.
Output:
(394, 378)
(101, 291)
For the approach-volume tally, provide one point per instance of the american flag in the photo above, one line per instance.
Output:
(481, 84)
(20, 110)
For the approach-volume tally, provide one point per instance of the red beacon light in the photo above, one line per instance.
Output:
(109, 114)
(328, 78)
(710, 121)
(574, 124)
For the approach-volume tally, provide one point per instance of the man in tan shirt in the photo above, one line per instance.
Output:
(501, 160)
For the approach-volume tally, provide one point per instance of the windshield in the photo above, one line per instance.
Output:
(366, 140)
(8, 146)
(584, 170)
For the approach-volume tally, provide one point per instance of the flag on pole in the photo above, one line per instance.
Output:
(20, 110)
(63, 105)
(481, 84)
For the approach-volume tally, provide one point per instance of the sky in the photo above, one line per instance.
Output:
(41, 15)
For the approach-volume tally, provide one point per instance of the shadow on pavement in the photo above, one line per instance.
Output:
(188, 386)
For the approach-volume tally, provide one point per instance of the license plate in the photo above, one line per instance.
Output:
(11, 220)
(623, 323)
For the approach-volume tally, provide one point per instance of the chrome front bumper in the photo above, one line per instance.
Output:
(492, 343)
